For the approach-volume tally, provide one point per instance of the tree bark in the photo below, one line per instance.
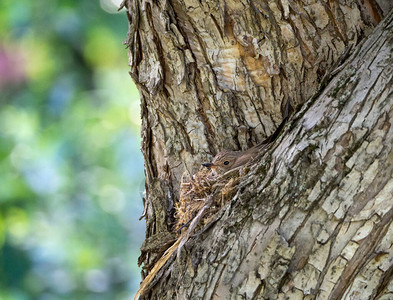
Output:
(313, 218)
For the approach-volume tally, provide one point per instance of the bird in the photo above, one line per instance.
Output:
(227, 160)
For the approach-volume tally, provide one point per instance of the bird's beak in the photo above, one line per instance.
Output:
(208, 165)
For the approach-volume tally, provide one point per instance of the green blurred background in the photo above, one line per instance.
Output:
(71, 172)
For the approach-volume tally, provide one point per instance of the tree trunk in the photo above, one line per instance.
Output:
(313, 217)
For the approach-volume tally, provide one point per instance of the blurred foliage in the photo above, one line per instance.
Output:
(71, 172)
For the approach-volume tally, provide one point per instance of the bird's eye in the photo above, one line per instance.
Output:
(226, 162)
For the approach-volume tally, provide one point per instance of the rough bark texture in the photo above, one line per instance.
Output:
(314, 218)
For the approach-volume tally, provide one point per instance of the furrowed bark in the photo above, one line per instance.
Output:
(215, 75)
(314, 217)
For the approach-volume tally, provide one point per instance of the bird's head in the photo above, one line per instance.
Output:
(223, 161)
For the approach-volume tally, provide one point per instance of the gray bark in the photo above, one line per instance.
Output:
(313, 218)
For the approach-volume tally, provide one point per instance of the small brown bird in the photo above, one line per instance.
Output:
(228, 160)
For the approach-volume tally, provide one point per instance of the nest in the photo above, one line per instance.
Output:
(201, 190)
(201, 197)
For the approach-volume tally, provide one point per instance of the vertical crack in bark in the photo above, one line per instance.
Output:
(218, 26)
(158, 47)
(151, 168)
(332, 18)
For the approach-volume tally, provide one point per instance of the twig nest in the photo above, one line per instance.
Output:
(195, 190)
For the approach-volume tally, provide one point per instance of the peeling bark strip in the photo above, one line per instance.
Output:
(314, 218)
(215, 74)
